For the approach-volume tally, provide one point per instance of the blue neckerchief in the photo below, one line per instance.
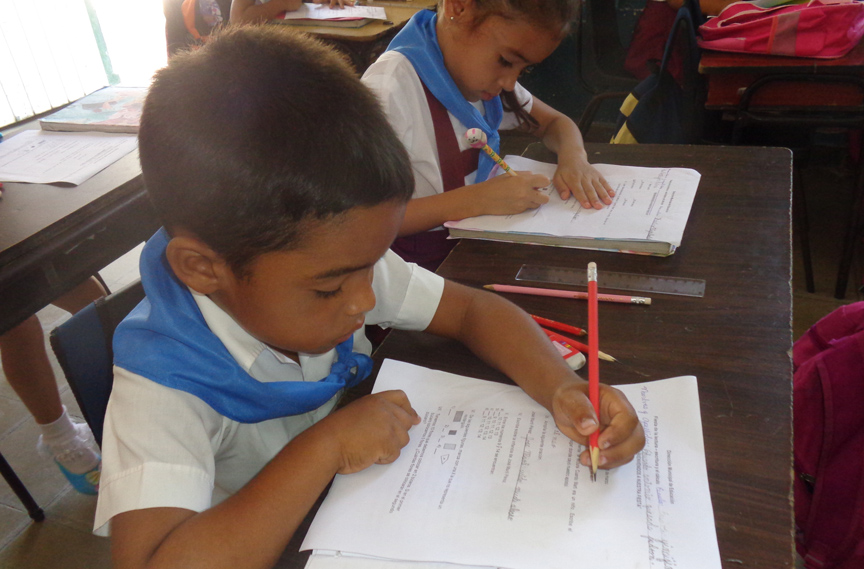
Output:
(166, 339)
(418, 41)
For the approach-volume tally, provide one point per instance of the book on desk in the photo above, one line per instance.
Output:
(111, 109)
(647, 216)
(310, 14)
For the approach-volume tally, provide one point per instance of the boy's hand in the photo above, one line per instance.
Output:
(576, 177)
(621, 436)
(371, 430)
(506, 195)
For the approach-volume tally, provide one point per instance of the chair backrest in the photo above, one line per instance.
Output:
(82, 345)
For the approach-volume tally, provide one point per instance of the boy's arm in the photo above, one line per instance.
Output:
(507, 338)
(250, 529)
(574, 175)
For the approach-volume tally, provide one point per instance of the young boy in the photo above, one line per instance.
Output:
(281, 187)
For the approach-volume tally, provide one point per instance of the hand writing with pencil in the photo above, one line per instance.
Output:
(621, 434)
(506, 195)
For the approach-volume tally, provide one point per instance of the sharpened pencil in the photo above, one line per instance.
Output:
(575, 330)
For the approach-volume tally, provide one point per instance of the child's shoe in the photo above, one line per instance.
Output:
(77, 456)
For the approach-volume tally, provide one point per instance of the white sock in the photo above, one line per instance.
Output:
(70, 444)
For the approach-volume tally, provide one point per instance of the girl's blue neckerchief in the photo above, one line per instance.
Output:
(418, 41)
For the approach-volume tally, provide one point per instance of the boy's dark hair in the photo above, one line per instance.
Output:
(259, 131)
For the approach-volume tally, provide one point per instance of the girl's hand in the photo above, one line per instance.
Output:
(621, 436)
(576, 177)
(335, 3)
(371, 430)
(506, 195)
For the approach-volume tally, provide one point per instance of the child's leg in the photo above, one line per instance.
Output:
(28, 370)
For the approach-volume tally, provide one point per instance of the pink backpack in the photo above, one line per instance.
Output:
(819, 28)
(828, 411)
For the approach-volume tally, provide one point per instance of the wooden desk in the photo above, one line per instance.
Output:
(735, 340)
(52, 236)
(728, 74)
(364, 44)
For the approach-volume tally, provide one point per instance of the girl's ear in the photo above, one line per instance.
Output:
(453, 9)
(197, 265)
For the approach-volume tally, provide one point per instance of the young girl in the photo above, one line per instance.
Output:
(447, 72)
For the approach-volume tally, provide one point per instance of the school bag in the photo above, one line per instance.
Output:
(660, 110)
(818, 28)
(828, 421)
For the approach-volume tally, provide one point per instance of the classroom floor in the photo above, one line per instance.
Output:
(64, 538)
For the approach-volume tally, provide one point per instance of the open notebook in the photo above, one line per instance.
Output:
(648, 213)
(487, 479)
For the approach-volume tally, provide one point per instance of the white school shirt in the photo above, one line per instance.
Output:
(399, 89)
(163, 447)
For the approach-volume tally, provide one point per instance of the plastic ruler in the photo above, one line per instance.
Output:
(608, 279)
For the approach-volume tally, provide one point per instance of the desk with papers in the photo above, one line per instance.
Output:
(735, 340)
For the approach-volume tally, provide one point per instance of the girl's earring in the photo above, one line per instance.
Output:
(452, 18)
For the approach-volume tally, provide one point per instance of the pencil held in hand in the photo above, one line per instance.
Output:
(593, 365)
(477, 139)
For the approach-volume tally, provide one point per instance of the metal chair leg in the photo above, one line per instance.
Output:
(854, 232)
(20, 490)
(801, 223)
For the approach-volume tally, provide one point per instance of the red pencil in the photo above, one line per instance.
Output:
(593, 365)
(558, 325)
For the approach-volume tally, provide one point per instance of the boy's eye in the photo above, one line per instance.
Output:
(327, 293)
(528, 69)
(503, 62)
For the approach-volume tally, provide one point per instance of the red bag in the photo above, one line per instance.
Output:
(828, 411)
(819, 28)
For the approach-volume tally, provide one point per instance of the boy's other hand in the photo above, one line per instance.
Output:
(336, 3)
(621, 435)
(580, 179)
(506, 195)
(371, 430)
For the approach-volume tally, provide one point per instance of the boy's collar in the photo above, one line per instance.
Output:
(242, 346)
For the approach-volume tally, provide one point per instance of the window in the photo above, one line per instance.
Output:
(53, 52)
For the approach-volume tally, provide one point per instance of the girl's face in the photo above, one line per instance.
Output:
(488, 58)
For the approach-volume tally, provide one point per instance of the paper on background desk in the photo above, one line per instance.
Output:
(488, 480)
(40, 157)
(311, 11)
(650, 204)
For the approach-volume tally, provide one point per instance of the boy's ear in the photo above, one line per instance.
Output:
(197, 265)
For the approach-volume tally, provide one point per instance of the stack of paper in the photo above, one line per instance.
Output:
(648, 213)
(488, 480)
(311, 14)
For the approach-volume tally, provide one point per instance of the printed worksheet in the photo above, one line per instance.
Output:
(40, 157)
(489, 480)
(649, 204)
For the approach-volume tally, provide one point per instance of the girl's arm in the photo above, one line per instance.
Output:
(507, 338)
(574, 174)
(502, 195)
(243, 11)
(251, 529)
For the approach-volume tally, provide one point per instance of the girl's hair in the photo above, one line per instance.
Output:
(553, 15)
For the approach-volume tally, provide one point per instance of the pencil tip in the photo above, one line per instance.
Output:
(488, 287)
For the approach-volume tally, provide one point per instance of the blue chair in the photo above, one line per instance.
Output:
(82, 345)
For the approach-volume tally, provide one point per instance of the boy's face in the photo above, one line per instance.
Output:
(311, 298)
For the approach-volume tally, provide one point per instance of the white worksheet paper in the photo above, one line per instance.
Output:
(488, 480)
(649, 204)
(311, 11)
(41, 157)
